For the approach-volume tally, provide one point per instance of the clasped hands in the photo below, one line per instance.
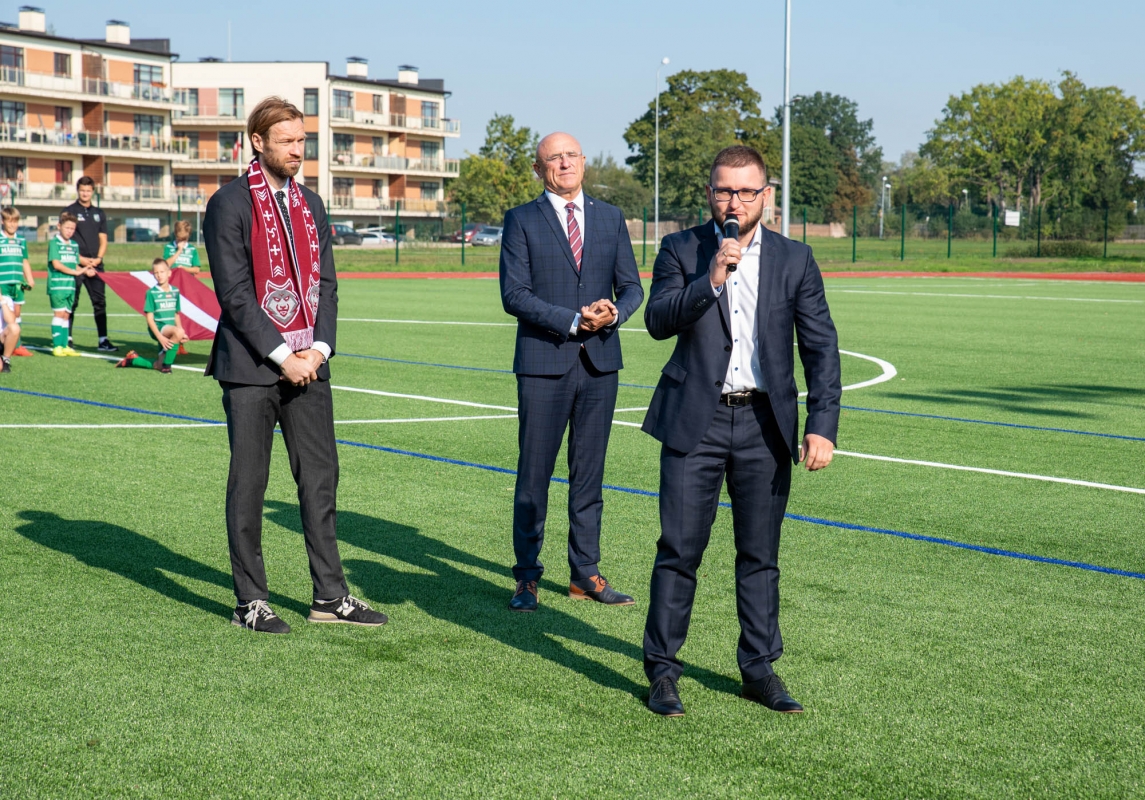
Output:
(301, 368)
(599, 315)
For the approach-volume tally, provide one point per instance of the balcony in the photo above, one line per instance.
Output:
(67, 192)
(375, 204)
(345, 117)
(38, 83)
(381, 163)
(206, 114)
(199, 159)
(54, 138)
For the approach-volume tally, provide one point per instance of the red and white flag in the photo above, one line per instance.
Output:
(199, 308)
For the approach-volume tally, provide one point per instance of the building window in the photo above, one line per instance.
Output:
(343, 187)
(12, 168)
(380, 187)
(192, 140)
(148, 175)
(343, 148)
(231, 103)
(147, 125)
(12, 64)
(343, 104)
(429, 191)
(62, 65)
(310, 102)
(12, 113)
(63, 172)
(430, 151)
(186, 181)
(192, 99)
(429, 118)
(379, 145)
(149, 81)
(311, 152)
(63, 119)
(379, 104)
(227, 142)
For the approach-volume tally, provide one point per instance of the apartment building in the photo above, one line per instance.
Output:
(96, 107)
(373, 145)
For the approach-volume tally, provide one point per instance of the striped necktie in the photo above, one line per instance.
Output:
(575, 242)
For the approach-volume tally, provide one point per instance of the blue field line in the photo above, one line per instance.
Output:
(994, 551)
(458, 366)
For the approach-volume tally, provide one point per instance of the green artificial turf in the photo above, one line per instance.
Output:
(926, 670)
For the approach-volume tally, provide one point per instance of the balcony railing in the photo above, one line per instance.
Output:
(205, 111)
(370, 161)
(349, 202)
(157, 194)
(67, 191)
(397, 121)
(155, 93)
(189, 194)
(221, 156)
(56, 137)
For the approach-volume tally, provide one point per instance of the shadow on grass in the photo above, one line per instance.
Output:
(430, 578)
(135, 557)
(1029, 399)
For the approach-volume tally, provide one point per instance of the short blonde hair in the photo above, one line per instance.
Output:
(9, 212)
(267, 114)
(183, 227)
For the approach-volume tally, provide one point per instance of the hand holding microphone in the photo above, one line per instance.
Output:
(727, 257)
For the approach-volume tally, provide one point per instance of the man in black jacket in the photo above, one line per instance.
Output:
(725, 406)
(274, 276)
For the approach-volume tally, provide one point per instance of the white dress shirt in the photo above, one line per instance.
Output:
(559, 204)
(280, 353)
(742, 286)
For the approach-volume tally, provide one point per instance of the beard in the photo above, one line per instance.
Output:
(748, 223)
(279, 168)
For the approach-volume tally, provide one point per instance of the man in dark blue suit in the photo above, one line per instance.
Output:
(563, 256)
(725, 406)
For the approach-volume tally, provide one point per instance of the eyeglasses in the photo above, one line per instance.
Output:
(555, 157)
(744, 195)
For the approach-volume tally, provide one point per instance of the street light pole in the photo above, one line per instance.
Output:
(882, 205)
(785, 223)
(656, 211)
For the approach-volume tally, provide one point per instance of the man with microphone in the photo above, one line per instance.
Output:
(735, 296)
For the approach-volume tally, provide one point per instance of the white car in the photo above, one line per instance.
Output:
(377, 238)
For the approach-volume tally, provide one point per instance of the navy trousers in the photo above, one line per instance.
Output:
(745, 445)
(583, 400)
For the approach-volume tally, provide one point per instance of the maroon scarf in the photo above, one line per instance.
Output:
(285, 280)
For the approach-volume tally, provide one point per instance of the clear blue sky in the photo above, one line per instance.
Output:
(589, 68)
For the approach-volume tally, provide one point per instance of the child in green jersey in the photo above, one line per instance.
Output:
(9, 332)
(181, 253)
(162, 310)
(63, 267)
(15, 271)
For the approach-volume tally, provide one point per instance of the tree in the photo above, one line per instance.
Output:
(616, 184)
(500, 176)
(700, 114)
(814, 173)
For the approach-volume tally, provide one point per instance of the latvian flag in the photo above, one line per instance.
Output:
(199, 308)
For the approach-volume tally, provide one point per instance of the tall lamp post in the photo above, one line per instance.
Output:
(656, 212)
(785, 223)
(882, 205)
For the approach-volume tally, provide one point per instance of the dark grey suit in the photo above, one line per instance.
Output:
(754, 446)
(564, 380)
(256, 400)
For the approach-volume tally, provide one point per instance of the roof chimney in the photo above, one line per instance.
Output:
(118, 32)
(407, 74)
(32, 19)
(357, 67)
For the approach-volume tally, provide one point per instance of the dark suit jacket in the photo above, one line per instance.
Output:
(541, 288)
(791, 302)
(246, 336)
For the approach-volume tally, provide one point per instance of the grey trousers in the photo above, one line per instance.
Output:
(306, 415)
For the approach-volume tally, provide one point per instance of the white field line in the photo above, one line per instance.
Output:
(985, 296)
(1001, 472)
(430, 322)
(126, 425)
(421, 419)
(423, 398)
(49, 314)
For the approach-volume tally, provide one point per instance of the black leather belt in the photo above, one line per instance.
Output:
(740, 399)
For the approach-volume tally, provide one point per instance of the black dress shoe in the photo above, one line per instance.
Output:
(598, 589)
(663, 699)
(771, 692)
(525, 598)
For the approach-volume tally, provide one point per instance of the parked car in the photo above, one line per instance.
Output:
(489, 235)
(342, 233)
(377, 238)
(470, 229)
(142, 235)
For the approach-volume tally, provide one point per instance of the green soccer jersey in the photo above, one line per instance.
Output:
(13, 251)
(163, 304)
(188, 258)
(67, 252)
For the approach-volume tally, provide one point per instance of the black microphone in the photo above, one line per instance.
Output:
(731, 231)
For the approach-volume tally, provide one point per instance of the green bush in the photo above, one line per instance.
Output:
(1069, 248)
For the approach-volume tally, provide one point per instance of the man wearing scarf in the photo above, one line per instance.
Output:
(268, 240)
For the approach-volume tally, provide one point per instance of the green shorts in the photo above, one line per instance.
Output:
(62, 301)
(13, 290)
